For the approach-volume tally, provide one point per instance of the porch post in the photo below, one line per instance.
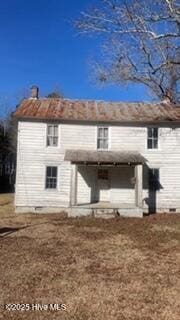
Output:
(139, 185)
(73, 196)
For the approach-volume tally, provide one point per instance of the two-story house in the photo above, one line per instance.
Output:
(91, 157)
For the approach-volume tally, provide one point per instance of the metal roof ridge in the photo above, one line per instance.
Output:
(104, 101)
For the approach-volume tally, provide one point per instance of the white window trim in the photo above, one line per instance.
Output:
(46, 134)
(57, 184)
(109, 142)
(158, 142)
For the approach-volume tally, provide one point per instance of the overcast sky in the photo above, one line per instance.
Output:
(39, 46)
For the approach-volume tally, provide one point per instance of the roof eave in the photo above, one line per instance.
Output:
(33, 119)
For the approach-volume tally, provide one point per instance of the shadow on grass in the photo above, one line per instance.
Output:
(6, 231)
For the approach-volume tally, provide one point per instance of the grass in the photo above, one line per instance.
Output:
(101, 269)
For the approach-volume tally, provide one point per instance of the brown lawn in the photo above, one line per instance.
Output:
(101, 269)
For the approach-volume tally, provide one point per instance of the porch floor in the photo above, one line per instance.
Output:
(105, 205)
(105, 210)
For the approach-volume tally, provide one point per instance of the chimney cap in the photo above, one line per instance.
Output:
(34, 92)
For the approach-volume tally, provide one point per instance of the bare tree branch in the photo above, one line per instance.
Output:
(141, 42)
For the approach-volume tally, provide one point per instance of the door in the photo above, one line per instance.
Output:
(103, 185)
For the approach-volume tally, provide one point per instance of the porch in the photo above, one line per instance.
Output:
(105, 183)
(105, 210)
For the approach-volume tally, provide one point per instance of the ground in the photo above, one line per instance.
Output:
(100, 269)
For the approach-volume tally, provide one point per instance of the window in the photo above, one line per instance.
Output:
(102, 138)
(154, 183)
(52, 135)
(103, 174)
(51, 177)
(152, 141)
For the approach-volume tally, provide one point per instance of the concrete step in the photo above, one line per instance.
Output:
(104, 213)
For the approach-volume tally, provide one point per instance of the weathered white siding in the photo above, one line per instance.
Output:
(122, 190)
(78, 136)
(86, 191)
(34, 156)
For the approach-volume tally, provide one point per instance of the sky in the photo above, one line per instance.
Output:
(39, 46)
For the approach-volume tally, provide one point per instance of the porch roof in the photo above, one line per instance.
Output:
(104, 157)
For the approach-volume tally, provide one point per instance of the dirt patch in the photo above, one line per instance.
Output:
(101, 269)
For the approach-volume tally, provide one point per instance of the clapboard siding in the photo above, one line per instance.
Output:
(126, 138)
(78, 136)
(34, 156)
(86, 184)
(122, 189)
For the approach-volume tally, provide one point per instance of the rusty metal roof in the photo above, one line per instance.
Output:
(103, 157)
(99, 111)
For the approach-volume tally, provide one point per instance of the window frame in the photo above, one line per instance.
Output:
(98, 138)
(103, 174)
(51, 177)
(154, 138)
(53, 136)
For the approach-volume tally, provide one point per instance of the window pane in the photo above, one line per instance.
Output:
(98, 144)
(100, 132)
(155, 143)
(101, 143)
(55, 141)
(155, 133)
(150, 134)
(48, 171)
(105, 145)
(54, 172)
(56, 131)
(105, 132)
(49, 141)
(150, 144)
(50, 130)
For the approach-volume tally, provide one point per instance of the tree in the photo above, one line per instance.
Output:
(8, 135)
(140, 43)
(55, 94)
(8, 146)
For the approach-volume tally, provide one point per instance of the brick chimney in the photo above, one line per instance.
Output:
(34, 92)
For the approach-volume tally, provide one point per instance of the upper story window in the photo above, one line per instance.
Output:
(102, 138)
(52, 135)
(152, 139)
(51, 177)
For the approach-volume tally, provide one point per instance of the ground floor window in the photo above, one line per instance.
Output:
(51, 177)
(154, 183)
(103, 174)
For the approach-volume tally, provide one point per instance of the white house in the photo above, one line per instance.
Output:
(95, 157)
